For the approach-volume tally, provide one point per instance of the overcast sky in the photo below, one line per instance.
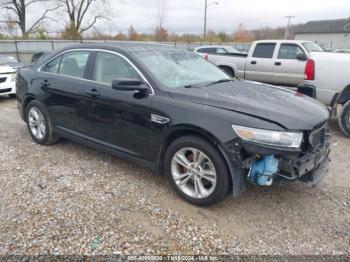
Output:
(186, 16)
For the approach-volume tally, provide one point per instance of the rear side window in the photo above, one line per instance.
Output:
(289, 51)
(207, 50)
(264, 50)
(221, 51)
(109, 67)
(74, 64)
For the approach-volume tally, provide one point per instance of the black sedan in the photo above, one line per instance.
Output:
(176, 113)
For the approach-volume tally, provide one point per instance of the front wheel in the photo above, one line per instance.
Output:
(344, 119)
(39, 124)
(197, 171)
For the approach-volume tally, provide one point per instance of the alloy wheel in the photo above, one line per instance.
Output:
(193, 172)
(37, 123)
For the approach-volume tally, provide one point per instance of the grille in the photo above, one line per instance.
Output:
(318, 138)
(2, 79)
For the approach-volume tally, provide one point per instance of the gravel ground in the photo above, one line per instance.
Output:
(67, 199)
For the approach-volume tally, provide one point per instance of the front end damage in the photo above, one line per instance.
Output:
(265, 165)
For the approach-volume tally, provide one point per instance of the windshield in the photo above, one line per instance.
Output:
(312, 47)
(7, 60)
(179, 69)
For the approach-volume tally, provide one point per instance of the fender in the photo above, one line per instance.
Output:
(344, 95)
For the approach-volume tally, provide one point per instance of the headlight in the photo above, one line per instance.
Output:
(13, 76)
(271, 138)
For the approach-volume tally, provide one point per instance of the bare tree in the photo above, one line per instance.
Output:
(79, 18)
(161, 33)
(17, 10)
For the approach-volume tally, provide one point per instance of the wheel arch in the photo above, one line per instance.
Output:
(25, 103)
(181, 131)
(344, 96)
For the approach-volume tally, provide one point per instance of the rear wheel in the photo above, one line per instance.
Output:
(197, 171)
(39, 124)
(344, 119)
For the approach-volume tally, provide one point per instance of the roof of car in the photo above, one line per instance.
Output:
(325, 26)
(126, 46)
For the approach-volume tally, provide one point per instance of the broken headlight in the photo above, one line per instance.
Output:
(267, 137)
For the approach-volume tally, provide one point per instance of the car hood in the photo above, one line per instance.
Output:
(6, 69)
(286, 108)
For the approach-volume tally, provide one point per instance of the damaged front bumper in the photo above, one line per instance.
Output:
(263, 165)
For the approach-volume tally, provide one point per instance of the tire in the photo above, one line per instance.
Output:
(212, 162)
(45, 136)
(344, 119)
(228, 71)
(12, 95)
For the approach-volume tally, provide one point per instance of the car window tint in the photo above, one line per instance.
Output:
(207, 50)
(289, 51)
(264, 50)
(74, 63)
(53, 66)
(109, 67)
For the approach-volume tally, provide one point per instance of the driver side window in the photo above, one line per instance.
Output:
(109, 67)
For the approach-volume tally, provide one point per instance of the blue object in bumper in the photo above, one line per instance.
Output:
(263, 170)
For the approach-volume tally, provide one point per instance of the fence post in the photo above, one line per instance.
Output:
(17, 52)
(52, 45)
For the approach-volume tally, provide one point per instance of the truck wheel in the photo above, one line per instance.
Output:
(344, 119)
(197, 171)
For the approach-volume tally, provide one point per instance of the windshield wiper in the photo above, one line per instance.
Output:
(220, 81)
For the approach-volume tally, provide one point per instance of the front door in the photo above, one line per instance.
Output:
(120, 119)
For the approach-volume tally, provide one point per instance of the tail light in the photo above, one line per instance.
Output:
(310, 70)
(206, 56)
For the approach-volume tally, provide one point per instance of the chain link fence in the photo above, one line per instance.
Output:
(23, 50)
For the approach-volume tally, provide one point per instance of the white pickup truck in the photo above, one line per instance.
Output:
(327, 79)
(280, 62)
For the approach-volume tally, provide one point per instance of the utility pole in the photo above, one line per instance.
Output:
(286, 34)
(205, 16)
(205, 19)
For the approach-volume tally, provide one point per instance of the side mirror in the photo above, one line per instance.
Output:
(302, 56)
(128, 84)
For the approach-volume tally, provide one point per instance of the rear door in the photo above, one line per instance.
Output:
(288, 70)
(260, 64)
(65, 87)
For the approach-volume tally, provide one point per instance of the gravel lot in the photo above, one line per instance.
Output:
(67, 199)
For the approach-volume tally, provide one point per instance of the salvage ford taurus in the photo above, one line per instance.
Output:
(178, 114)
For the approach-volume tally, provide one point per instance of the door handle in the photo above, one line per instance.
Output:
(278, 63)
(93, 93)
(253, 62)
(45, 83)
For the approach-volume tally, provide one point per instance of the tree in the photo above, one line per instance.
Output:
(242, 35)
(17, 10)
(132, 34)
(79, 17)
(160, 32)
(9, 28)
(120, 37)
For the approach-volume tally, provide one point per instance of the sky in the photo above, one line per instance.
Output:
(186, 16)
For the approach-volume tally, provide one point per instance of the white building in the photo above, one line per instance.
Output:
(330, 34)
